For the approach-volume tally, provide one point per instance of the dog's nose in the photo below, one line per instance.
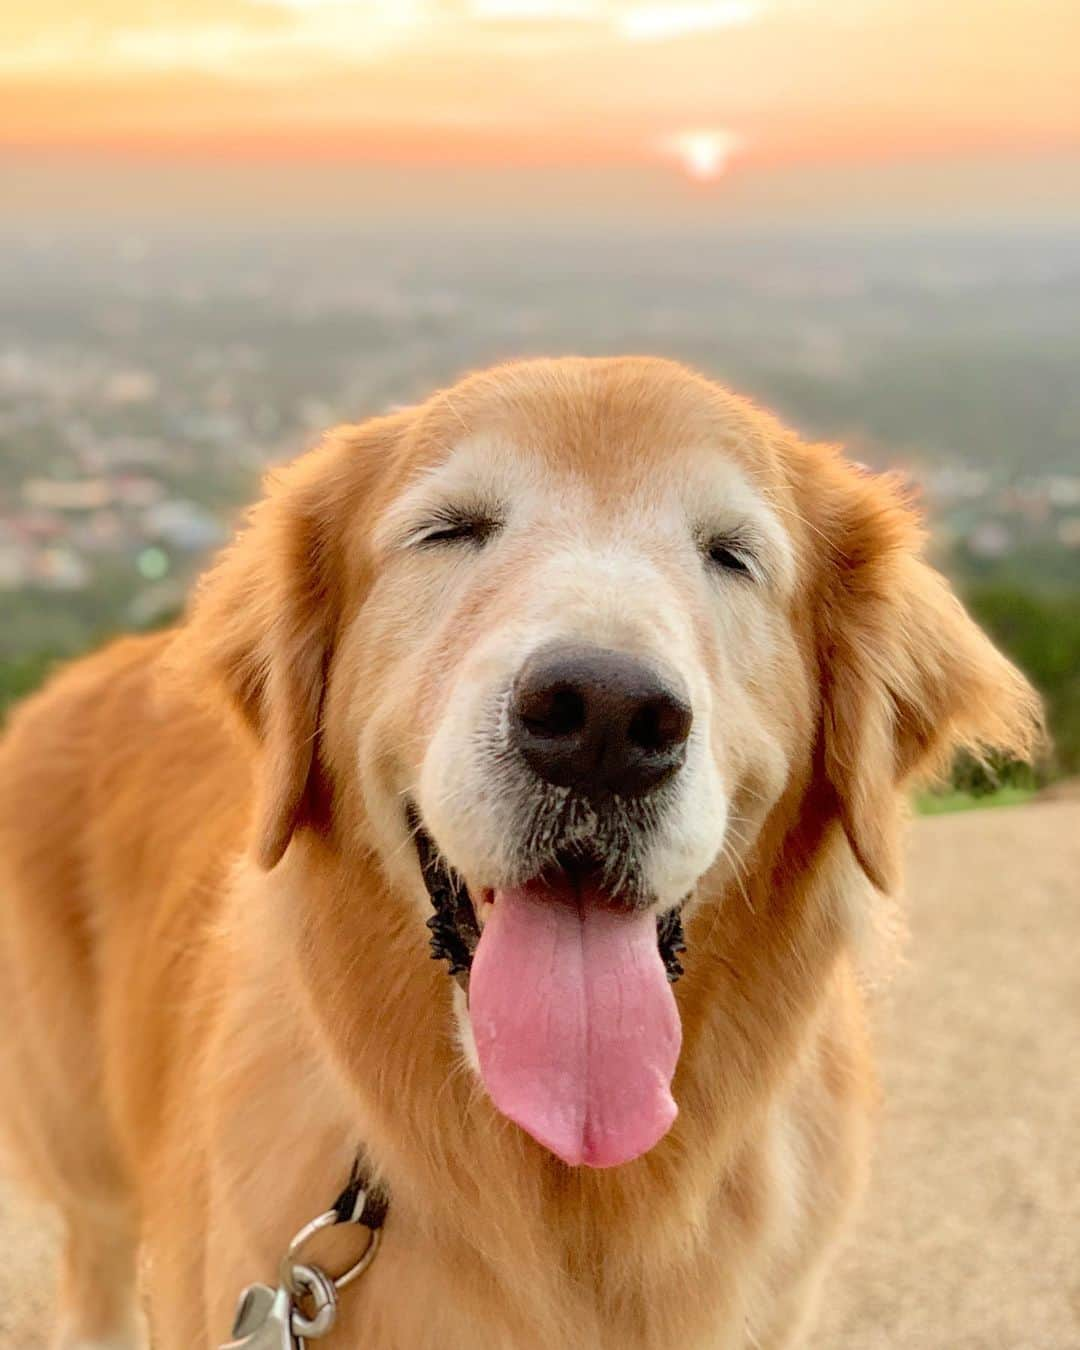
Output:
(599, 721)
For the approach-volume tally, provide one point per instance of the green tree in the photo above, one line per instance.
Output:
(1041, 633)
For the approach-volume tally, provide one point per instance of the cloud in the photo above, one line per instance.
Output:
(543, 11)
(652, 23)
(238, 37)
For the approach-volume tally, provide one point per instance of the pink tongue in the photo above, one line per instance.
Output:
(575, 1024)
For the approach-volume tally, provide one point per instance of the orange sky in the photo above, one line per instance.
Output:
(524, 81)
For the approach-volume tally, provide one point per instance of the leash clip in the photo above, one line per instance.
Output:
(304, 1305)
(279, 1319)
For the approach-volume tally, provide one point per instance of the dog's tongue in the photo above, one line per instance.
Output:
(576, 1027)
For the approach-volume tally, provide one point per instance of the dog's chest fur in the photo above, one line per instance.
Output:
(501, 1246)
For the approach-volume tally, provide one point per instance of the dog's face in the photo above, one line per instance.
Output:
(565, 637)
(582, 627)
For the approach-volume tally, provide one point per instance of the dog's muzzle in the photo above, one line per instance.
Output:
(454, 926)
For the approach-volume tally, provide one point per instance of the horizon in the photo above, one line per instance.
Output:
(75, 192)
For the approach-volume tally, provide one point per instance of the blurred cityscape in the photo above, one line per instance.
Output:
(146, 380)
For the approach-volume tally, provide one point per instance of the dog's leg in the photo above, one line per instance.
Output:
(96, 1303)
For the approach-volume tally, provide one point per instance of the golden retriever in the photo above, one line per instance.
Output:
(599, 651)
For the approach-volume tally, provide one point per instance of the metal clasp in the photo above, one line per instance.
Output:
(330, 1219)
(304, 1305)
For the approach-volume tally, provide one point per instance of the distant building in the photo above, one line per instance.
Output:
(57, 494)
(183, 525)
(125, 387)
(990, 539)
(60, 569)
(1068, 532)
(14, 567)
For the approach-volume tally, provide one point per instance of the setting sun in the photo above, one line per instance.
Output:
(704, 155)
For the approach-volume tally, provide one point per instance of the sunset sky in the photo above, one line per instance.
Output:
(704, 87)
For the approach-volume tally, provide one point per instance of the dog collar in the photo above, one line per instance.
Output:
(304, 1305)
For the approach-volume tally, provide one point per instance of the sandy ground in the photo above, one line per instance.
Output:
(970, 1237)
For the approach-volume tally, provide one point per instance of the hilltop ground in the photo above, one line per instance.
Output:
(970, 1237)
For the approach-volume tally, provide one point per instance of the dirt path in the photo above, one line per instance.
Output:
(970, 1239)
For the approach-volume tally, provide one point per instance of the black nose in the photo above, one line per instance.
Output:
(598, 721)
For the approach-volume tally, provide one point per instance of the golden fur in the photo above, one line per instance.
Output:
(215, 987)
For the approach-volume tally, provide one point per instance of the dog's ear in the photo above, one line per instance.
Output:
(909, 678)
(262, 622)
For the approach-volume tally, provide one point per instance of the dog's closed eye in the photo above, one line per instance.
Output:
(730, 553)
(455, 526)
(729, 556)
